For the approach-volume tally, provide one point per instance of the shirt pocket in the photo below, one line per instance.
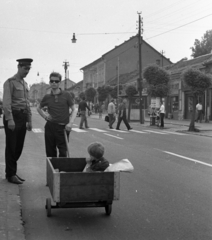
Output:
(18, 91)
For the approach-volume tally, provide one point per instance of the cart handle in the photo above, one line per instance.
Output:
(66, 140)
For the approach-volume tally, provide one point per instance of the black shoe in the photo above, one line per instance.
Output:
(21, 179)
(14, 180)
(111, 127)
(81, 128)
(130, 129)
(87, 127)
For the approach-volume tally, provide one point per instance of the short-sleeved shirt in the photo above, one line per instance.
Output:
(15, 97)
(58, 106)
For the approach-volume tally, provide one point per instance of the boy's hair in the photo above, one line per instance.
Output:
(96, 150)
(55, 74)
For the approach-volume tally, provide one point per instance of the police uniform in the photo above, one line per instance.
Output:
(16, 107)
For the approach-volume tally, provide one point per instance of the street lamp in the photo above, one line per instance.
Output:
(74, 40)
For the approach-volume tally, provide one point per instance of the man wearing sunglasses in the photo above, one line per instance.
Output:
(17, 118)
(58, 103)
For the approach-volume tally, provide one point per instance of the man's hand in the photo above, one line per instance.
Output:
(29, 126)
(11, 124)
(68, 127)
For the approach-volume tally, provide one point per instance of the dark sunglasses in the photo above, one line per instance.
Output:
(54, 81)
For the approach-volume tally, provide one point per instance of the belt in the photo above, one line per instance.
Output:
(19, 110)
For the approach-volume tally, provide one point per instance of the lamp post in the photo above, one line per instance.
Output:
(140, 87)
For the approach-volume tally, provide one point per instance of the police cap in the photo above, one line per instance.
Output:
(25, 61)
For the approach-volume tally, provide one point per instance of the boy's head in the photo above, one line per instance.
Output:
(96, 150)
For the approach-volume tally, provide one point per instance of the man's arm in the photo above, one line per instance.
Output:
(42, 113)
(71, 118)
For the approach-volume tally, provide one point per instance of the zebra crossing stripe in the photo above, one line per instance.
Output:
(155, 132)
(78, 130)
(98, 130)
(112, 136)
(117, 130)
(37, 130)
(176, 133)
(136, 131)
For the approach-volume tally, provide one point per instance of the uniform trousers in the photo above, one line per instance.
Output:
(55, 140)
(14, 141)
(124, 118)
(83, 119)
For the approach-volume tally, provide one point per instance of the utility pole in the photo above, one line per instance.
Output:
(140, 81)
(117, 82)
(162, 52)
(65, 65)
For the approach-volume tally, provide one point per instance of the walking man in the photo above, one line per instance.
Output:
(82, 109)
(122, 115)
(111, 110)
(199, 112)
(58, 103)
(17, 118)
(162, 114)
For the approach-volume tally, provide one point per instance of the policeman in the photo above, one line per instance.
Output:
(17, 118)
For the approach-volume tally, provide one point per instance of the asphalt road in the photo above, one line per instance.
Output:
(168, 196)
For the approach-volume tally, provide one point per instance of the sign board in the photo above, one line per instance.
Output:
(155, 102)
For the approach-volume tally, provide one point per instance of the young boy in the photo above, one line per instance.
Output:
(96, 162)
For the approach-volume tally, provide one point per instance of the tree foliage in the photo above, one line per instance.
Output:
(131, 91)
(102, 93)
(156, 81)
(90, 93)
(203, 46)
(196, 81)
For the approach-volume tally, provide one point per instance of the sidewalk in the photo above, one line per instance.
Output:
(11, 224)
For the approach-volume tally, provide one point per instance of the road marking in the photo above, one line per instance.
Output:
(112, 136)
(78, 130)
(190, 159)
(37, 130)
(117, 130)
(176, 133)
(98, 130)
(155, 132)
(136, 131)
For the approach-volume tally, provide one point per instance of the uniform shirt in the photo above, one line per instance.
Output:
(15, 96)
(111, 108)
(58, 106)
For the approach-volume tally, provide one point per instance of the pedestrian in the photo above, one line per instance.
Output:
(17, 118)
(96, 162)
(162, 114)
(111, 110)
(122, 114)
(199, 112)
(58, 120)
(101, 107)
(82, 108)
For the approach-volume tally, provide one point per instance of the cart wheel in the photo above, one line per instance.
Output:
(48, 207)
(108, 209)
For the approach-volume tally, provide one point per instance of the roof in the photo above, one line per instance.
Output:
(200, 61)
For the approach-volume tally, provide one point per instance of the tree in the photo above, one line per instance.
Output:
(157, 81)
(130, 91)
(102, 93)
(203, 46)
(197, 82)
(90, 93)
(81, 95)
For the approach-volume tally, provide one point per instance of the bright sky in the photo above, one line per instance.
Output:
(43, 29)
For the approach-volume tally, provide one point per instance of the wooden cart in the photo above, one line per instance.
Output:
(72, 188)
